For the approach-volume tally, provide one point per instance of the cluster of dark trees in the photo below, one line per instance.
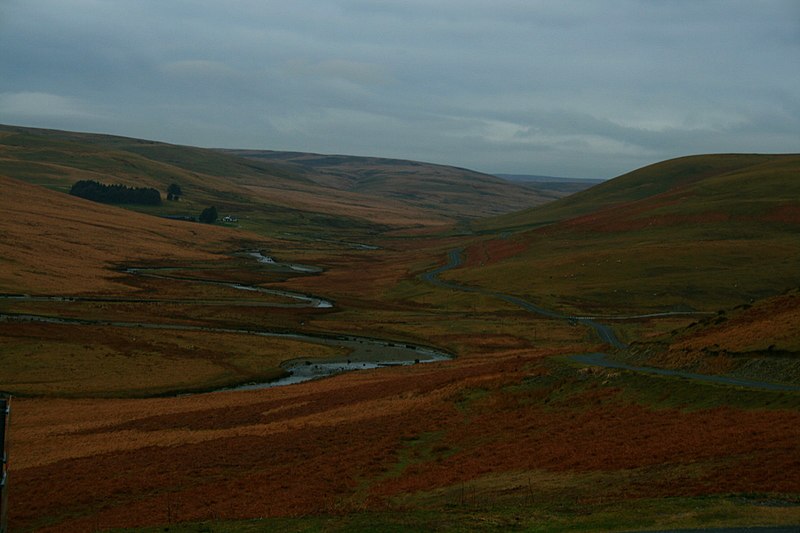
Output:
(122, 194)
(209, 215)
(174, 192)
(115, 194)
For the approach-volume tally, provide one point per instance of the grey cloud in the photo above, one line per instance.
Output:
(43, 105)
(572, 87)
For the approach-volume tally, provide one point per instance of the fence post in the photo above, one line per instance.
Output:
(5, 411)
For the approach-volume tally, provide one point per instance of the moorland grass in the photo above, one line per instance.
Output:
(504, 437)
(58, 360)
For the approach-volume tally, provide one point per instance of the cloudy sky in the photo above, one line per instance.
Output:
(583, 88)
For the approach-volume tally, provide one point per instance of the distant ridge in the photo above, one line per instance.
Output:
(449, 188)
(537, 177)
(558, 186)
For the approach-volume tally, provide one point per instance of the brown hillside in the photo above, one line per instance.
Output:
(55, 243)
(762, 339)
(353, 197)
(456, 192)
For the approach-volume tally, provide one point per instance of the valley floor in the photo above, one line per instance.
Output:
(507, 435)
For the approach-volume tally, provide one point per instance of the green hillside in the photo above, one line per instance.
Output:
(695, 233)
(694, 179)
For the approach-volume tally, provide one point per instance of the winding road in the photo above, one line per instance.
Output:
(454, 260)
(606, 333)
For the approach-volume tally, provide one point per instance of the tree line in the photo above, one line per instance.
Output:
(122, 194)
(115, 194)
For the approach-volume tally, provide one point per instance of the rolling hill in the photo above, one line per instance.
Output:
(55, 243)
(698, 184)
(695, 233)
(265, 196)
(456, 192)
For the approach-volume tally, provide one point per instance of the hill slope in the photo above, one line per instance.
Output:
(265, 196)
(690, 182)
(760, 341)
(700, 232)
(457, 192)
(54, 243)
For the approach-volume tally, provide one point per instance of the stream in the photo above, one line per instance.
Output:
(363, 352)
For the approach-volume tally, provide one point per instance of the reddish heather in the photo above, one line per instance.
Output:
(493, 251)
(332, 446)
(786, 214)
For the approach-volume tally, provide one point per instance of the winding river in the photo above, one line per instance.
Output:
(363, 352)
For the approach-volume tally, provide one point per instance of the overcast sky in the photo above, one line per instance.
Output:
(565, 87)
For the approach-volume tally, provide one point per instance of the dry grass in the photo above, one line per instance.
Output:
(770, 324)
(52, 243)
(69, 360)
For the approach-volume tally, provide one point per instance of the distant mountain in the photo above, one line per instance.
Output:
(455, 192)
(546, 179)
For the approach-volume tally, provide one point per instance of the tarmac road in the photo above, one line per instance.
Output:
(606, 333)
